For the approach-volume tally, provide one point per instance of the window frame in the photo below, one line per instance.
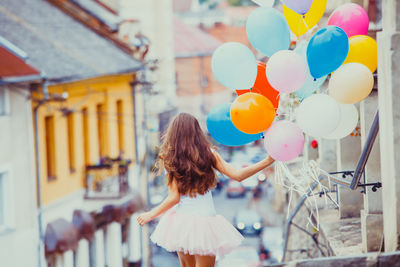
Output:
(120, 126)
(71, 118)
(7, 199)
(50, 148)
(6, 111)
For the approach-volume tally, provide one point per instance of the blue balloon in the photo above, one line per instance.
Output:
(221, 128)
(268, 30)
(311, 85)
(327, 50)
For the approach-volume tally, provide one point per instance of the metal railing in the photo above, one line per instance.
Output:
(108, 179)
(357, 174)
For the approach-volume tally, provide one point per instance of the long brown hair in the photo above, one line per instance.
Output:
(186, 155)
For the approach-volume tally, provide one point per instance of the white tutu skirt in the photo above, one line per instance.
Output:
(196, 234)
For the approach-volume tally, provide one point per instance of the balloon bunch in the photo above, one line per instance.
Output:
(341, 49)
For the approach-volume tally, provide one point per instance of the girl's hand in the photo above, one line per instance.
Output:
(144, 218)
(271, 159)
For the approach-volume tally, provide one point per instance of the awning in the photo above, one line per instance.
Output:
(60, 236)
(85, 224)
(12, 65)
(119, 212)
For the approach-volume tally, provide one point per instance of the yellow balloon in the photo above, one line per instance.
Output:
(300, 25)
(363, 49)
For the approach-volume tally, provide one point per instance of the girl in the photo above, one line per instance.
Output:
(192, 228)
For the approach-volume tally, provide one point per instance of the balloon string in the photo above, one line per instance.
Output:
(304, 21)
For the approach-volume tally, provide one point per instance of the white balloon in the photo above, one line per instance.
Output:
(318, 115)
(264, 3)
(286, 71)
(234, 65)
(348, 121)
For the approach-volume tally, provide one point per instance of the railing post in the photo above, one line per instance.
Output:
(348, 152)
(371, 215)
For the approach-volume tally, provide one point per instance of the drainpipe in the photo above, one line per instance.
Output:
(38, 184)
(143, 171)
(133, 85)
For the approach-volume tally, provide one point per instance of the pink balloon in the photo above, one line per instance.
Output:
(352, 18)
(286, 71)
(284, 140)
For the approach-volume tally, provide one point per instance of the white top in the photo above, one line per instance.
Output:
(200, 205)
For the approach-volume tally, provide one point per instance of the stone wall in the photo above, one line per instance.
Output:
(370, 260)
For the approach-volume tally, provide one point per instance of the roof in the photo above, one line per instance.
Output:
(182, 5)
(100, 12)
(12, 63)
(190, 41)
(238, 14)
(59, 46)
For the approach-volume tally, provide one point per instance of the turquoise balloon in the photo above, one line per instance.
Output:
(221, 128)
(234, 65)
(268, 30)
(311, 85)
(327, 50)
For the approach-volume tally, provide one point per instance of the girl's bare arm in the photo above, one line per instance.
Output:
(171, 200)
(243, 173)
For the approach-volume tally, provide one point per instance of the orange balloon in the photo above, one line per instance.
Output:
(242, 91)
(262, 86)
(252, 113)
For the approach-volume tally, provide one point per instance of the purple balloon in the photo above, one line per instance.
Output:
(298, 6)
(284, 140)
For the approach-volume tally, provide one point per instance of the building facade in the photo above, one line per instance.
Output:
(18, 220)
(197, 89)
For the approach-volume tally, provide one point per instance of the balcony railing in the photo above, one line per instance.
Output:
(108, 179)
(356, 175)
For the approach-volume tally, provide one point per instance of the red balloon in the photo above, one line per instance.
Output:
(262, 86)
(314, 144)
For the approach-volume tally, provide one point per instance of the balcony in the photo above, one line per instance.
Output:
(108, 179)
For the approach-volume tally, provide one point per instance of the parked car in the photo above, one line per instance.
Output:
(248, 222)
(271, 245)
(240, 257)
(235, 189)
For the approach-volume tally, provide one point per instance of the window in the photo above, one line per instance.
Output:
(71, 141)
(100, 129)
(50, 148)
(6, 203)
(85, 132)
(4, 102)
(203, 80)
(120, 120)
(2, 199)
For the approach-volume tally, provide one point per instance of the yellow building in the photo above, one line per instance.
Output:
(84, 131)
(94, 123)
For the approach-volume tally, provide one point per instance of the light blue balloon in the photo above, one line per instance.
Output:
(234, 65)
(221, 128)
(327, 50)
(311, 85)
(268, 30)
